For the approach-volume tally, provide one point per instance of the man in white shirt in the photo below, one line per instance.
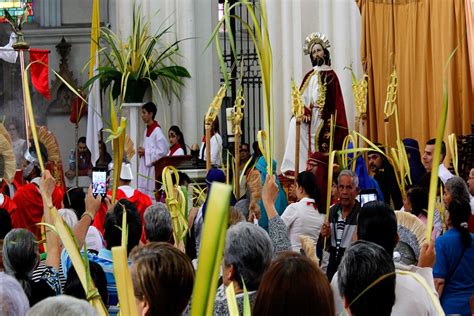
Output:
(427, 159)
(154, 147)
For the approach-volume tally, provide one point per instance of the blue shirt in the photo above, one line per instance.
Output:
(104, 259)
(459, 282)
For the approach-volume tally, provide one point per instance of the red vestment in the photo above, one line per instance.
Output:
(334, 102)
(141, 201)
(29, 207)
(6, 203)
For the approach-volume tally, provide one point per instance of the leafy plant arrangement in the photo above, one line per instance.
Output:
(136, 64)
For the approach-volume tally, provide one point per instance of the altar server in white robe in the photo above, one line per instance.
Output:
(154, 147)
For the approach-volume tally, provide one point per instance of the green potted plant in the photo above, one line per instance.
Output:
(134, 65)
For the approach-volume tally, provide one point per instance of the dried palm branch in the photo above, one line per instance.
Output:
(4, 132)
(255, 185)
(129, 148)
(7, 160)
(309, 248)
(411, 230)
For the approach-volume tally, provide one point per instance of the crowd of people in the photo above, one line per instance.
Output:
(266, 257)
(284, 252)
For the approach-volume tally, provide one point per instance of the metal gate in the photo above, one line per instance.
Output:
(251, 79)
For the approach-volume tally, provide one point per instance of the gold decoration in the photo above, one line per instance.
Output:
(176, 203)
(237, 114)
(322, 87)
(315, 38)
(297, 105)
(453, 149)
(215, 105)
(389, 106)
(359, 90)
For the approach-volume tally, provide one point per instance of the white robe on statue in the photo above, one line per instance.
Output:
(309, 96)
(156, 146)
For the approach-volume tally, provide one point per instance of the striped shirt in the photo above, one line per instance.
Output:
(340, 226)
(41, 268)
(104, 259)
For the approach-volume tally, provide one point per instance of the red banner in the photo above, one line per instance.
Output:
(39, 71)
(79, 109)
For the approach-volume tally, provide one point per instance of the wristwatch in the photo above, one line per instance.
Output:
(87, 213)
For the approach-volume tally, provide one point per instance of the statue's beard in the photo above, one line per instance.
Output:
(318, 61)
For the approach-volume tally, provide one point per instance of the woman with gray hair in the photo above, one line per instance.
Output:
(62, 305)
(455, 189)
(21, 253)
(13, 299)
(248, 252)
(157, 223)
(20, 258)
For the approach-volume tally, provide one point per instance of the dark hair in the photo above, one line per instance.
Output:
(294, 285)
(327, 57)
(180, 137)
(74, 199)
(443, 146)
(43, 152)
(307, 180)
(418, 197)
(74, 287)
(245, 144)
(459, 213)
(163, 276)
(363, 263)
(183, 177)
(82, 140)
(256, 150)
(5, 223)
(215, 126)
(113, 225)
(150, 107)
(377, 223)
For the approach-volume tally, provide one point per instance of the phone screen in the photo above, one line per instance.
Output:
(99, 182)
(367, 197)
